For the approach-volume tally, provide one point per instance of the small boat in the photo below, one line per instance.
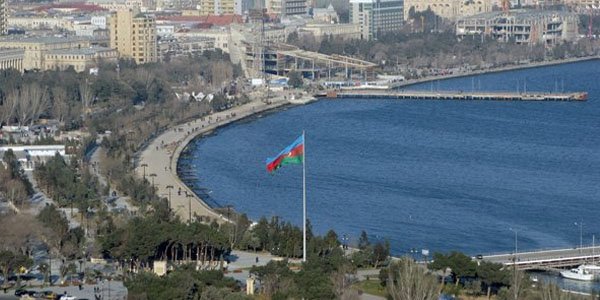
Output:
(580, 274)
(591, 269)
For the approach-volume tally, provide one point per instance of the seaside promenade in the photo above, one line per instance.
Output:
(158, 162)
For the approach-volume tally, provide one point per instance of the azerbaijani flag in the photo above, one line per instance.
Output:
(291, 155)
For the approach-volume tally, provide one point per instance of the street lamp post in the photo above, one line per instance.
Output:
(516, 290)
(144, 165)
(189, 196)
(169, 187)
(152, 176)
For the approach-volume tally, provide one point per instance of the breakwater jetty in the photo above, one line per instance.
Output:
(453, 95)
(546, 259)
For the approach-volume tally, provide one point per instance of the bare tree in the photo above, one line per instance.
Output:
(60, 107)
(39, 101)
(86, 96)
(147, 77)
(8, 107)
(341, 281)
(221, 73)
(18, 230)
(409, 281)
(553, 292)
(32, 102)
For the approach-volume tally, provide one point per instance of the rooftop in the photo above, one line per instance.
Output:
(42, 39)
(222, 20)
(75, 6)
(80, 51)
(520, 14)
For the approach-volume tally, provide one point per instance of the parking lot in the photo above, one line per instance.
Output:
(105, 290)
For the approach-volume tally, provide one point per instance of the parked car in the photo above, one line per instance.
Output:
(49, 295)
(22, 292)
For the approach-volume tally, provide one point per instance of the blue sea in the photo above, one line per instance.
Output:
(437, 175)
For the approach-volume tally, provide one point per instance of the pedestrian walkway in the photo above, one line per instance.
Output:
(120, 201)
(158, 162)
(39, 200)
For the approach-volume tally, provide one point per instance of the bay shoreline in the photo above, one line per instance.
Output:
(282, 103)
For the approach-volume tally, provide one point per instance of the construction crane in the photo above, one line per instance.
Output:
(505, 6)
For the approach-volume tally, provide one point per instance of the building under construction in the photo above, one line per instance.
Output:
(522, 26)
(261, 51)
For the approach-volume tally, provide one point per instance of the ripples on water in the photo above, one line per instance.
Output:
(442, 175)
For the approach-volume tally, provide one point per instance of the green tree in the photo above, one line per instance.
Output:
(381, 252)
(460, 264)
(44, 268)
(363, 241)
(295, 79)
(11, 262)
(493, 275)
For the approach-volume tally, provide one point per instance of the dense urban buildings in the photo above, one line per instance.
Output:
(522, 26)
(448, 9)
(376, 16)
(133, 34)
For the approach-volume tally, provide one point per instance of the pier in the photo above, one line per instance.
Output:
(547, 259)
(453, 95)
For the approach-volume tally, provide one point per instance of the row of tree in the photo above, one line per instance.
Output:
(68, 183)
(183, 283)
(72, 97)
(159, 236)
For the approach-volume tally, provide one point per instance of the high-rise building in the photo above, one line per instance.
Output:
(134, 35)
(376, 17)
(220, 7)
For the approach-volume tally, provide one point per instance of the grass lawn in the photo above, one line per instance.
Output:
(370, 287)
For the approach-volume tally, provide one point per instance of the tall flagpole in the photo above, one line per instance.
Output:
(304, 198)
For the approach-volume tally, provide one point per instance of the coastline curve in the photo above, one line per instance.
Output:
(161, 156)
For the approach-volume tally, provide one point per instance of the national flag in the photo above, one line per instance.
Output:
(291, 155)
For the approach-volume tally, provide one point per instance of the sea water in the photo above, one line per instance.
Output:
(437, 175)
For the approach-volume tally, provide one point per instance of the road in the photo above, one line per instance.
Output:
(108, 290)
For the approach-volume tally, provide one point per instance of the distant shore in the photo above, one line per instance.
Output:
(530, 65)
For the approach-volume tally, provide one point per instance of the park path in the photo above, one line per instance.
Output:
(120, 201)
